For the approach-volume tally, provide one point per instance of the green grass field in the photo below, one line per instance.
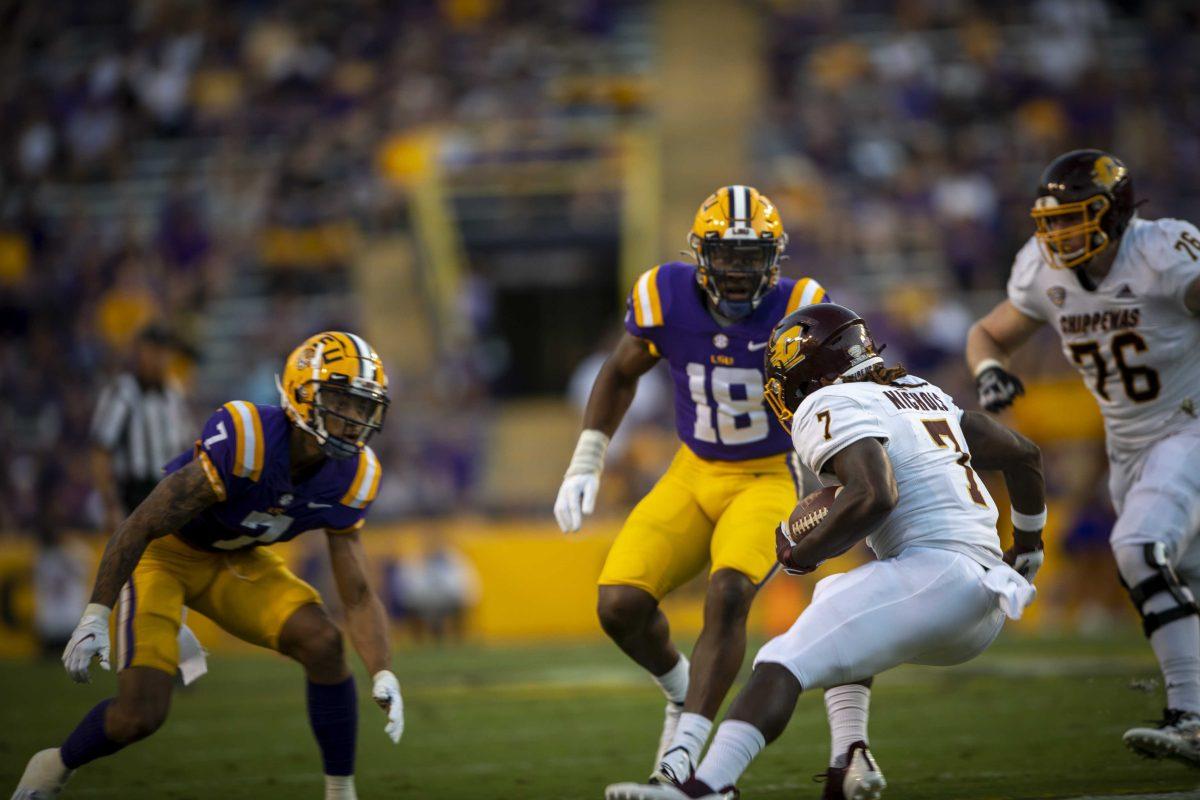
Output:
(1030, 719)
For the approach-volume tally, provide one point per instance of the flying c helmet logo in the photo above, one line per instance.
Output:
(1106, 172)
(785, 350)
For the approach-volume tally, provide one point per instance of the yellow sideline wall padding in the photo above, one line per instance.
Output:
(534, 582)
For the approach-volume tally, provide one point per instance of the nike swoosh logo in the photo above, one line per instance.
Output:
(752, 346)
(320, 505)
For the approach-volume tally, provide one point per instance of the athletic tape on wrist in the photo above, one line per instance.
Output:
(985, 365)
(1027, 522)
(589, 453)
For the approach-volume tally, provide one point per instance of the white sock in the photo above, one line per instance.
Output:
(692, 733)
(674, 682)
(733, 748)
(1176, 644)
(340, 787)
(847, 708)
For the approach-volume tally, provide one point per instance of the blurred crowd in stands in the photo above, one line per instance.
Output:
(156, 157)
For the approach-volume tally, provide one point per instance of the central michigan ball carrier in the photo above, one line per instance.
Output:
(905, 456)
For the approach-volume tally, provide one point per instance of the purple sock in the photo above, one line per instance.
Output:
(333, 714)
(89, 741)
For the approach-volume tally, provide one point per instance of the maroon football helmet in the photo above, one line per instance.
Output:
(809, 348)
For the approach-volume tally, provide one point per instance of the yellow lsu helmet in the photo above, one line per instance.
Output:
(738, 241)
(334, 387)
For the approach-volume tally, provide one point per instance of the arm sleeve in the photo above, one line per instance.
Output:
(1022, 283)
(826, 423)
(1176, 257)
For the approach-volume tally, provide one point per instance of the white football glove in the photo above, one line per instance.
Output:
(387, 694)
(1028, 564)
(89, 640)
(577, 495)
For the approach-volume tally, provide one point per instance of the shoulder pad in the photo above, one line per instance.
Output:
(647, 297)
(805, 292)
(365, 483)
(1165, 242)
(249, 444)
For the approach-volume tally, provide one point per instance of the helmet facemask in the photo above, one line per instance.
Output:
(1070, 234)
(355, 408)
(344, 417)
(736, 272)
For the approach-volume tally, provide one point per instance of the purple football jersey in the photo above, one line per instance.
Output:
(245, 450)
(718, 371)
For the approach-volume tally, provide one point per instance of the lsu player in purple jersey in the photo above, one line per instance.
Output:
(733, 478)
(257, 475)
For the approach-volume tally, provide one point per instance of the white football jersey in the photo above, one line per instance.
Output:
(943, 502)
(1133, 339)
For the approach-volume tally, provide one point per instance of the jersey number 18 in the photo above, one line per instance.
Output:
(738, 420)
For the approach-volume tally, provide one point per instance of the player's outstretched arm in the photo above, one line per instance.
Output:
(616, 384)
(611, 395)
(990, 343)
(995, 446)
(176, 500)
(868, 495)
(366, 622)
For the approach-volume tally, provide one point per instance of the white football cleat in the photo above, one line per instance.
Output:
(1177, 736)
(860, 779)
(44, 776)
(670, 723)
(663, 791)
(675, 768)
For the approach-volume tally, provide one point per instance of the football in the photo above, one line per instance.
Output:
(810, 511)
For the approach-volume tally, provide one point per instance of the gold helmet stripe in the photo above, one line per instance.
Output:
(248, 436)
(739, 205)
(647, 307)
(366, 364)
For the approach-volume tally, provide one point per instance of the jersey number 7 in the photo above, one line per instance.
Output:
(939, 430)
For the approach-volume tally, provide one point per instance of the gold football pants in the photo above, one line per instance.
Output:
(723, 512)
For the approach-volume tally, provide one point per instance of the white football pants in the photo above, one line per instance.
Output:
(1156, 493)
(924, 606)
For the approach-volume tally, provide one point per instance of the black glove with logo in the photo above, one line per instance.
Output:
(997, 387)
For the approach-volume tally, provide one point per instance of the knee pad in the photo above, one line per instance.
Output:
(1161, 580)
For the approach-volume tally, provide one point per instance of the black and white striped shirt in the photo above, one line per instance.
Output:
(143, 428)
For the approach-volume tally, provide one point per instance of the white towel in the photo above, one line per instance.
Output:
(192, 655)
(1014, 592)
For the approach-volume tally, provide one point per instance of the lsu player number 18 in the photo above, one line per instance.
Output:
(1123, 294)
(940, 589)
(257, 475)
(732, 478)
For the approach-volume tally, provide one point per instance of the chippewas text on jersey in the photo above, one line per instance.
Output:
(1100, 321)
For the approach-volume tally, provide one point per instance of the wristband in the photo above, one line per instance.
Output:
(1027, 522)
(589, 454)
(381, 673)
(986, 364)
(97, 610)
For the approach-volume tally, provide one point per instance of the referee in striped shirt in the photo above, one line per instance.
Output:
(139, 425)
